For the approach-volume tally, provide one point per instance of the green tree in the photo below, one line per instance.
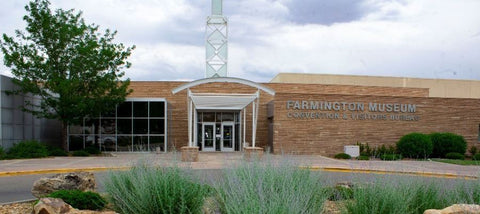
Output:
(74, 69)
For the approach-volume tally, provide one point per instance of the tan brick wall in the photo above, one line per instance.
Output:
(328, 136)
(320, 136)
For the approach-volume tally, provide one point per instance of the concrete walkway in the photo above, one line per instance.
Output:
(214, 160)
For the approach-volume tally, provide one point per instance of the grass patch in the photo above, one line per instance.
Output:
(410, 195)
(458, 162)
(146, 189)
(261, 187)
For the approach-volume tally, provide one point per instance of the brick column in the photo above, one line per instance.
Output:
(253, 153)
(189, 153)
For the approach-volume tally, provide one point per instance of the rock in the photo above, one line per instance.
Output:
(52, 206)
(84, 181)
(456, 209)
(58, 206)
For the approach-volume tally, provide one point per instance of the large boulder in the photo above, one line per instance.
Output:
(52, 206)
(456, 209)
(58, 206)
(84, 181)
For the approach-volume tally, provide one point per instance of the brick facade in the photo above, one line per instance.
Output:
(326, 136)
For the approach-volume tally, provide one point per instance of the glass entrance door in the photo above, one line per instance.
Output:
(228, 137)
(208, 142)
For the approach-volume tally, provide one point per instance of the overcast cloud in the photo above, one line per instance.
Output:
(410, 38)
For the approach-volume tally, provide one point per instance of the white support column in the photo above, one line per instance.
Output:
(244, 125)
(253, 124)
(189, 110)
(195, 126)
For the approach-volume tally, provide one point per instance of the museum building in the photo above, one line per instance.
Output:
(292, 114)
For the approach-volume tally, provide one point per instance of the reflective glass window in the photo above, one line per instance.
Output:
(124, 109)
(140, 109)
(157, 126)
(157, 109)
(140, 126)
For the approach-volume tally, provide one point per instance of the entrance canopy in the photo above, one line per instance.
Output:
(217, 101)
(222, 101)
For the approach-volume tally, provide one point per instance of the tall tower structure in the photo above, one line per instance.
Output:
(217, 41)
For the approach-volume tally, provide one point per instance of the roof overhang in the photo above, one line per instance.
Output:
(221, 80)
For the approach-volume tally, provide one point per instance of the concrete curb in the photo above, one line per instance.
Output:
(374, 171)
(314, 168)
(62, 170)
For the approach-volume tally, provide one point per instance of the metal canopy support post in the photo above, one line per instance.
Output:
(256, 103)
(189, 110)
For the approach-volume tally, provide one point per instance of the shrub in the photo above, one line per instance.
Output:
(473, 150)
(2, 153)
(390, 157)
(270, 188)
(342, 156)
(455, 156)
(362, 157)
(365, 149)
(476, 157)
(27, 149)
(145, 189)
(444, 143)
(81, 153)
(92, 150)
(56, 151)
(339, 193)
(80, 200)
(415, 145)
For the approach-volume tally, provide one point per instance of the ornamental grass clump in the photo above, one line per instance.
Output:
(410, 195)
(267, 188)
(146, 189)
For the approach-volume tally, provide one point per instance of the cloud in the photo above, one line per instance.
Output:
(413, 38)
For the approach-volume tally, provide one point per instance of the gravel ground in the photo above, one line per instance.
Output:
(17, 208)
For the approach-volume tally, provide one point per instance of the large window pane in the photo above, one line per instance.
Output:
(108, 126)
(140, 126)
(157, 141)
(124, 109)
(124, 143)
(140, 109)
(124, 126)
(208, 116)
(157, 126)
(108, 143)
(157, 109)
(227, 116)
(140, 143)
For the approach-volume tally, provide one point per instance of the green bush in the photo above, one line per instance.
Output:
(56, 151)
(27, 149)
(362, 157)
(145, 189)
(81, 153)
(2, 153)
(263, 187)
(391, 157)
(365, 149)
(339, 193)
(476, 157)
(455, 156)
(80, 200)
(415, 145)
(444, 143)
(92, 150)
(343, 156)
(473, 150)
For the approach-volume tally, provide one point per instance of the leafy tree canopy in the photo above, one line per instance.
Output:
(74, 69)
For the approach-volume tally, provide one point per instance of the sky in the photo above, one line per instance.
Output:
(402, 38)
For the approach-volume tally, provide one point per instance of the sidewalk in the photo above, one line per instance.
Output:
(214, 160)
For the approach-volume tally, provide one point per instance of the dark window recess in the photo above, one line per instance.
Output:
(124, 126)
(157, 109)
(157, 126)
(140, 109)
(140, 126)
(124, 109)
